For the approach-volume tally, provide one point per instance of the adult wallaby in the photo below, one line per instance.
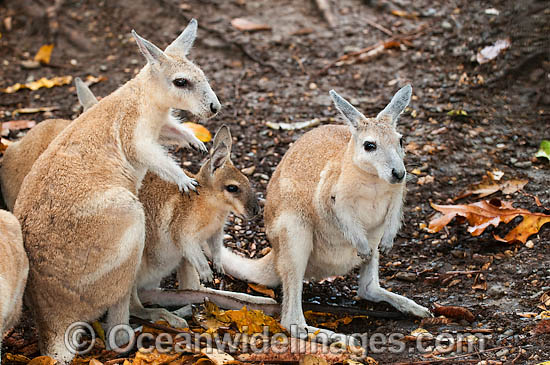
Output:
(333, 202)
(82, 223)
(14, 268)
(21, 155)
(194, 223)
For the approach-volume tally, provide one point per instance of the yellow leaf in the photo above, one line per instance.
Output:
(99, 330)
(44, 54)
(17, 358)
(154, 358)
(43, 82)
(200, 131)
(42, 360)
(246, 321)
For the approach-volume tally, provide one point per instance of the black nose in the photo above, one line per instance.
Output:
(213, 108)
(398, 175)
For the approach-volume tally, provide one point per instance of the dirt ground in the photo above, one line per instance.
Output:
(274, 76)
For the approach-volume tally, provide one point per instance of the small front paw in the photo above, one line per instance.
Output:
(186, 184)
(364, 251)
(206, 275)
(218, 267)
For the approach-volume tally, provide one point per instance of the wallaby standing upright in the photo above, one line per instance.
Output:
(334, 200)
(21, 155)
(162, 257)
(14, 267)
(82, 223)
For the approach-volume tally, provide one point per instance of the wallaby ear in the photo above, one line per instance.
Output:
(184, 42)
(397, 104)
(85, 96)
(351, 115)
(218, 156)
(152, 53)
(223, 135)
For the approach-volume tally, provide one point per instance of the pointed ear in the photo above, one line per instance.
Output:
(397, 104)
(223, 135)
(184, 42)
(85, 96)
(152, 53)
(218, 157)
(351, 115)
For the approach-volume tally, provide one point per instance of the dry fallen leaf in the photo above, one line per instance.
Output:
(43, 82)
(487, 187)
(35, 110)
(262, 289)
(217, 357)
(42, 360)
(14, 358)
(44, 54)
(91, 80)
(453, 312)
(490, 52)
(246, 321)
(485, 213)
(404, 14)
(16, 125)
(243, 24)
(328, 320)
(154, 358)
(200, 131)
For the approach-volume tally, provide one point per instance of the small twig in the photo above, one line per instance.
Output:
(379, 27)
(159, 327)
(422, 362)
(324, 8)
(115, 361)
(350, 55)
(467, 272)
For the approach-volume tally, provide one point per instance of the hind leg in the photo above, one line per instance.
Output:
(369, 289)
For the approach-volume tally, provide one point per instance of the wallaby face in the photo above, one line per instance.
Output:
(377, 146)
(180, 83)
(233, 188)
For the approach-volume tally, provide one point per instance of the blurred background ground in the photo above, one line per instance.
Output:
(275, 76)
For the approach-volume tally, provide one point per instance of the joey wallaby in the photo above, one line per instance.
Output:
(165, 211)
(180, 226)
(333, 202)
(14, 268)
(82, 223)
(21, 155)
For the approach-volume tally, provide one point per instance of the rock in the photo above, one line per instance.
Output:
(102, 68)
(30, 64)
(503, 352)
(406, 276)
(249, 170)
(523, 164)
(446, 25)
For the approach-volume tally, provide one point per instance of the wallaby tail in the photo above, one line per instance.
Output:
(260, 271)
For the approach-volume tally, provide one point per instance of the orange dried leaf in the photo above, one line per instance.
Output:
(43, 82)
(486, 187)
(243, 24)
(454, 312)
(42, 360)
(437, 321)
(199, 131)
(483, 214)
(262, 289)
(542, 327)
(44, 54)
(154, 358)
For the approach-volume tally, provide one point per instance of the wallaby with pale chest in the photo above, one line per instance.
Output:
(14, 267)
(21, 155)
(179, 227)
(333, 202)
(82, 223)
(175, 235)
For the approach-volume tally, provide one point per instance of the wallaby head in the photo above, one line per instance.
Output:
(220, 175)
(175, 81)
(377, 147)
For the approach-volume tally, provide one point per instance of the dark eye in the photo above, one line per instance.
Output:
(232, 188)
(401, 142)
(180, 82)
(369, 146)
